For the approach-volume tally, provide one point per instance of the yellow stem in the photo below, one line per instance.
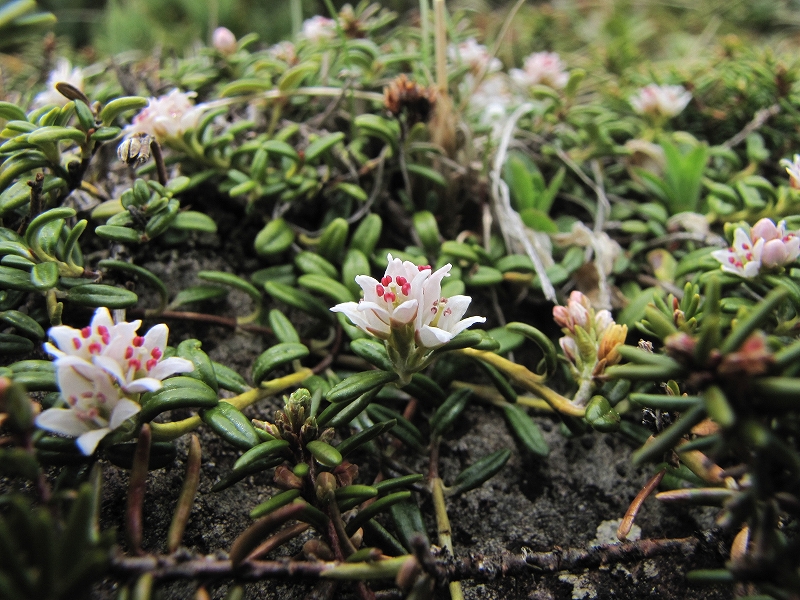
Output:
(492, 396)
(165, 432)
(443, 530)
(440, 38)
(527, 379)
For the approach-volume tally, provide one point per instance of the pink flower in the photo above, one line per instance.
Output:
(136, 362)
(475, 56)
(743, 258)
(95, 406)
(223, 40)
(660, 100)
(576, 312)
(767, 245)
(541, 68)
(167, 117)
(406, 309)
(317, 29)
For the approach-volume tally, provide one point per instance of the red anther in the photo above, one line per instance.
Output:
(92, 413)
(424, 267)
(95, 348)
(73, 400)
(386, 280)
(102, 330)
(101, 398)
(749, 256)
(86, 332)
(379, 290)
(401, 281)
(76, 343)
(87, 394)
(150, 363)
(138, 341)
(406, 289)
(433, 310)
(447, 312)
(745, 247)
(156, 353)
(135, 364)
(389, 297)
(731, 260)
(128, 352)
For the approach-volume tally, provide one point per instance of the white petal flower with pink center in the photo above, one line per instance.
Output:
(96, 407)
(475, 56)
(541, 68)
(136, 362)
(660, 100)
(167, 117)
(406, 310)
(780, 247)
(743, 258)
(318, 28)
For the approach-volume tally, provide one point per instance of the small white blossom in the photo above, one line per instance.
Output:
(660, 100)
(793, 169)
(475, 56)
(318, 28)
(406, 310)
(743, 258)
(168, 116)
(491, 101)
(97, 369)
(96, 407)
(136, 362)
(62, 73)
(223, 40)
(541, 68)
(284, 51)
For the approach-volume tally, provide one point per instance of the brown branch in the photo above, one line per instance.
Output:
(476, 567)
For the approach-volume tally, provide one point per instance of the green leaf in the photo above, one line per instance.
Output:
(375, 508)
(276, 356)
(355, 385)
(332, 242)
(23, 322)
(15, 345)
(601, 415)
(323, 285)
(191, 220)
(44, 276)
(479, 472)
(325, 454)
(293, 77)
(198, 293)
(449, 411)
(526, 429)
(115, 233)
(203, 369)
(373, 351)
(245, 86)
(259, 453)
(233, 281)
(120, 105)
(229, 379)
(405, 430)
(299, 299)
(322, 145)
(49, 135)
(353, 190)
(356, 441)
(282, 327)
(231, 425)
(97, 295)
(35, 375)
(428, 231)
(274, 238)
(428, 173)
(312, 263)
(274, 503)
(175, 393)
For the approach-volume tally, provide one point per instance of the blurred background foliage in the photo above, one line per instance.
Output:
(624, 30)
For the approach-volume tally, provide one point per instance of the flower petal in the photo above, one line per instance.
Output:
(171, 366)
(142, 385)
(433, 337)
(405, 312)
(89, 440)
(123, 411)
(62, 420)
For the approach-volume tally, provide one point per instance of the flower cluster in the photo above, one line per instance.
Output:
(62, 73)
(765, 245)
(475, 56)
(590, 341)
(318, 29)
(406, 310)
(541, 68)
(100, 370)
(660, 100)
(167, 117)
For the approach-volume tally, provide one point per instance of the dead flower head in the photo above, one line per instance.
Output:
(403, 96)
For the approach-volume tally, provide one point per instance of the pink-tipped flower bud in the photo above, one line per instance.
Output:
(765, 229)
(774, 254)
(224, 40)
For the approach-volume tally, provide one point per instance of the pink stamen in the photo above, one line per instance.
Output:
(86, 332)
(156, 353)
(128, 353)
(406, 289)
(150, 364)
(379, 290)
(749, 256)
(401, 281)
(135, 364)
(386, 280)
(745, 247)
(433, 310)
(731, 260)
(447, 312)
(424, 267)
(72, 400)
(390, 296)
(76, 343)
(101, 398)
(95, 348)
(86, 395)
(138, 341)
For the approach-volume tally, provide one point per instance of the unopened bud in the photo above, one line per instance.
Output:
(135, 150)
(326, 486)
(357, 538)
(286, 480)
(224, 40)
(317, 549)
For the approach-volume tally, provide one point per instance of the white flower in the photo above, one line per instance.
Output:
(63, 72)
(223, 40)
(660, 100)
(743, 258)
(136, 362)
(406, 310)
(284, 51)
(167, 117)
(793, 169)
(780, 247)
(475, 56)
(317, 29)
(95, 405)
(541, 68)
